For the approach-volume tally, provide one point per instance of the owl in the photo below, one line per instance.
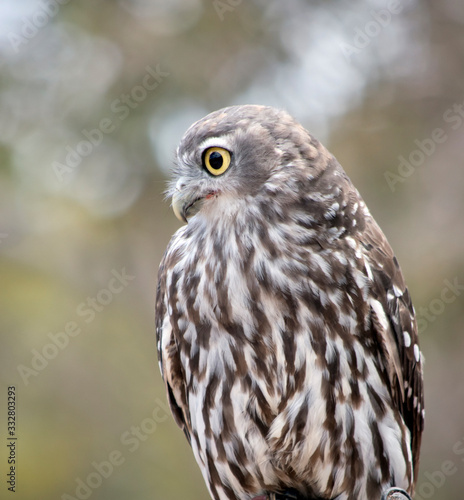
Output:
(286, 336)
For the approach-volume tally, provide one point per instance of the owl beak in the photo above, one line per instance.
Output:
(186, 204)
(178, 206)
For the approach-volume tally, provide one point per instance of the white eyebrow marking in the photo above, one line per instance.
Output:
(222, 141)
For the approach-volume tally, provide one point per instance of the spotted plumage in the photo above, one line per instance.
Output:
(286, 335)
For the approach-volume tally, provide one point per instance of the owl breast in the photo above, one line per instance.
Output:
(283, 384)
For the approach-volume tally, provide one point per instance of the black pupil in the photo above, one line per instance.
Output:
(216, 160)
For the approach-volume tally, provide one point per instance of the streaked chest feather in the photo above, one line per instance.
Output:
(276, 355)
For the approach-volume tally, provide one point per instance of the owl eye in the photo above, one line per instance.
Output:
(216, 160)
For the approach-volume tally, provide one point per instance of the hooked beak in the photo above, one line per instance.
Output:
(178, 206)
(185, 205)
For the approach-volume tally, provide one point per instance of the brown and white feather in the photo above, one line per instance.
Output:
(286, 335)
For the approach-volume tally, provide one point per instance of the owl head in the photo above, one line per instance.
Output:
(240, 154)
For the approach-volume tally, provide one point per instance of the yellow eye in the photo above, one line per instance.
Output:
(216, 160)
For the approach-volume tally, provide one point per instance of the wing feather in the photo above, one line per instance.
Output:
(169, 356)
(397, 337)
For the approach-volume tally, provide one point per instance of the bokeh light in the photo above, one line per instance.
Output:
(94, 97)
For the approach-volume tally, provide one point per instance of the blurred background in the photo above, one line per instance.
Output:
(94, 97)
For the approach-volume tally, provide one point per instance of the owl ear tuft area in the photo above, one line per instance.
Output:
(216, 160)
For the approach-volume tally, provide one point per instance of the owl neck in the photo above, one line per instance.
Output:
(302, 211)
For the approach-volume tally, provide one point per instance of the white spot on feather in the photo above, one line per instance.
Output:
(380, 313)
(407, 339)
(368, 270)
(417, 353)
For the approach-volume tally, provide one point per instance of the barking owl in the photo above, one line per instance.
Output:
(286, 335)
